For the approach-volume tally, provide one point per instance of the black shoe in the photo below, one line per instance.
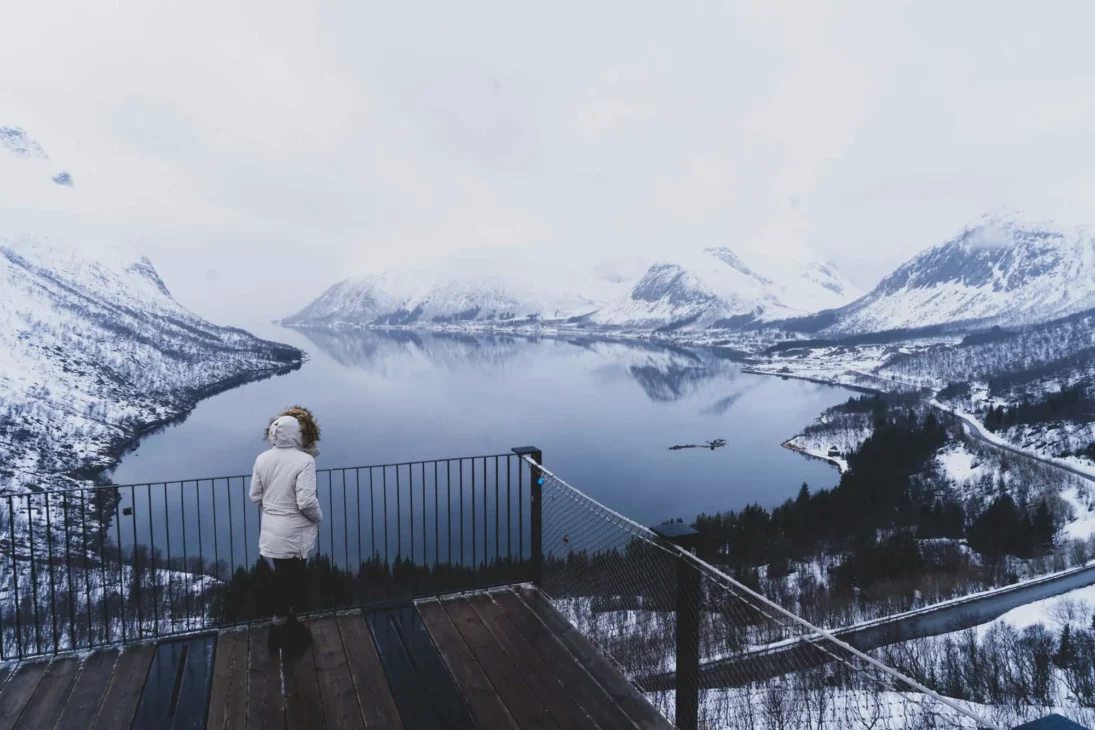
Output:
(275, 642)
(297, 638)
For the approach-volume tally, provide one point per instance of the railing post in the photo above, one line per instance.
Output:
(536, 512)
(688, 604)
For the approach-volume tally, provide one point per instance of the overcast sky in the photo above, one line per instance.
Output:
(258, 152)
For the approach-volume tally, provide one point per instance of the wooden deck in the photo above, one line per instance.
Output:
(503, 659)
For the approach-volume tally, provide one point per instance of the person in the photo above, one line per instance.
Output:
(283, 485)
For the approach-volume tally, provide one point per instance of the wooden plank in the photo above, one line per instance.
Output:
(87, 695)
(578, 683)
(374, 695)
(625, 694)
(265, 706)
(485, 704)
(18, 691)
(444, 695)
(520, 700)
(336, 687)
(410, 695)
(303, 708)
(190, 705)
(48, 700)
(124, 692)
(563, 707)
(228, 696)
(5, 672)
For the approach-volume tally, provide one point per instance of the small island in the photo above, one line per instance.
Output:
(716, 444)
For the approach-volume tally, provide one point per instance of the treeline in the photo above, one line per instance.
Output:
(1070, 404)
(878, 492)
(877, 518)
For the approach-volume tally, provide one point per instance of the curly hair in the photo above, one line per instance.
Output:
(309, 429)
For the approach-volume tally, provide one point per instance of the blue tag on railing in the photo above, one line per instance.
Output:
(540, 481)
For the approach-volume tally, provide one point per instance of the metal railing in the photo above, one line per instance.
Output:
(108, 565)
(708, 651)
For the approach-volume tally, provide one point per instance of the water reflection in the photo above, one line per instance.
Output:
(665, 373)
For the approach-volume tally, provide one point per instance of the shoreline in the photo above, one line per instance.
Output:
(810, 455)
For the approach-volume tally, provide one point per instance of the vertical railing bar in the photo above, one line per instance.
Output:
(216, 542)
(15, 581)
(201, 553)
(521, 510)
(474, 563)
(425, 556)
(87, 569)
(410, 503)
(246, 542)
(152, 560)
(357, 508)
(460, 468)
(68, 582)
(49, 558)
(384, 484)
(486, 548)
(121, 571)
(436, 522)
(497, 521)
(231, 530)
(185, 552)
(509, 508)
(33, 577)
(448, 511)
(399, 517)
(170, 567)
(372, 516)
(136, 564)
(102, 571)
(345, 523)
(331, 507)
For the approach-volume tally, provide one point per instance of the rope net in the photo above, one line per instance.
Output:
(760, 668)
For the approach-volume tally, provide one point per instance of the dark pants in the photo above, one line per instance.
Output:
(290, 587)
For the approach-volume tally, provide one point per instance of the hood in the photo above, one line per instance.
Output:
(285, 433)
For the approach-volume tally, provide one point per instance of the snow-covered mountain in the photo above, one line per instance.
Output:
(710, 288)
(94, 351)
(31, 154)
(716, 288)
(502, 288)
(999, 270)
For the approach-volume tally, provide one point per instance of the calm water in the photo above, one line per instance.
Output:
(604, 414)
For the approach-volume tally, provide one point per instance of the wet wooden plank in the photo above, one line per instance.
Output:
(5, 672)
(410, 695)
(265, 706)
(124, 691)
(303, 708)
(374, 695)
(190, 705)
(18, 691)
(336, 687)
(563, 707)
(445, 697)
(87, 695)
(625, 694)
(520, 700)
(49, 698)
(485, 704)
(578, 683)
(228, 696)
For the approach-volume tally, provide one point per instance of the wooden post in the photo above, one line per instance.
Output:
(688, 604)
(536, 512)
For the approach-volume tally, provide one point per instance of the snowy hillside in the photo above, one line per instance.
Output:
(716, 288)
(32, 156)
(93, 352)
(997, 271)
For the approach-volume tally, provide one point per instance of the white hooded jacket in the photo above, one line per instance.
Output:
(283, 485)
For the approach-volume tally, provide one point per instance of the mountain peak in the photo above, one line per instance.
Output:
(16, 140)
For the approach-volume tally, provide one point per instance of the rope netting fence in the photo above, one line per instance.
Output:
(746, 663)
